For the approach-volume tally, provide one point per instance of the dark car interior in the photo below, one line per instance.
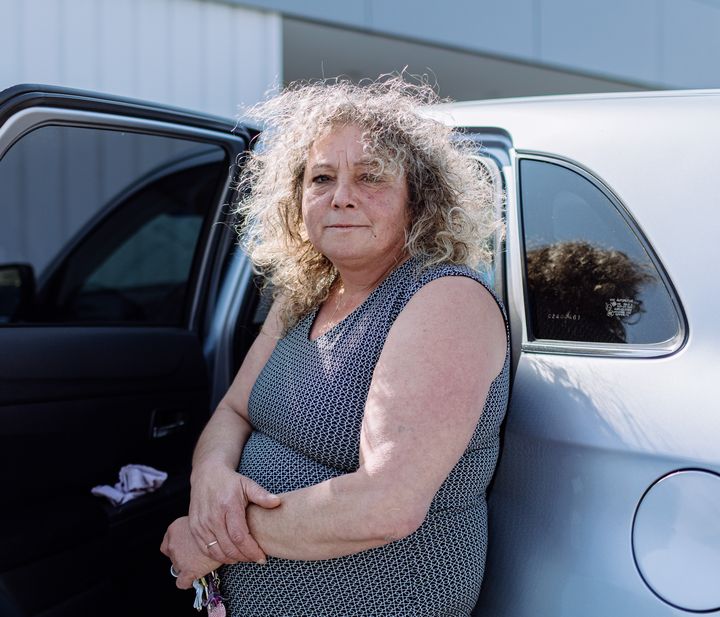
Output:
(101, 345)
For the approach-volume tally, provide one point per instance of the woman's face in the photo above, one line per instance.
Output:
(352, 216)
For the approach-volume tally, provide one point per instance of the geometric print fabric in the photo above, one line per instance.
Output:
(306, 410)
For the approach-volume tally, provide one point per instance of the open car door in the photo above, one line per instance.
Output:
(110, 260)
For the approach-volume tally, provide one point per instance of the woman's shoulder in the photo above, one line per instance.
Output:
(452, 300)
(453, 307)
(456, 280)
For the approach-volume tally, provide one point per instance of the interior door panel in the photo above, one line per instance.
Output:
(85, 392)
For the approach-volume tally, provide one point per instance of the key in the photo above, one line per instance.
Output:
(200, 586)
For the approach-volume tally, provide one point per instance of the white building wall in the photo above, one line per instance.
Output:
(198, 54)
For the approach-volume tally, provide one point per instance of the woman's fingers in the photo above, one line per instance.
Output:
(187, 561)
(184, 580)
(256, 494)
(236, 520)
(212, 539)
(230, 537)
(218, 516)
(214, 492)
(241, 538)
(223, 549)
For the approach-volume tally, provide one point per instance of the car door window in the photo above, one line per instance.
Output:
(589, 277)
(110, 221)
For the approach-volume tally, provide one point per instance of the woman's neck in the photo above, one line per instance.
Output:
(356, 281)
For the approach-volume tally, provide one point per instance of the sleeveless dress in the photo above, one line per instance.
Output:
(306, 409)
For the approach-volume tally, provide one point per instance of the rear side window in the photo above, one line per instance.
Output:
(107, 223)
(589, 277)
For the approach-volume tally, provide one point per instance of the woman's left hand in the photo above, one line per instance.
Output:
(187, 560)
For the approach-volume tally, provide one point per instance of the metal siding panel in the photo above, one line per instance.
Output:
(41, 41)
(11, 68)
(221, 41)
(243, 76)
(691, 42)
(274, 45)
(117, 52)
(181, 52)
(152, 44)
(615, 37)
(498, 27)
(79, 23)
(251, 80)
(350, 13)
(186, 54)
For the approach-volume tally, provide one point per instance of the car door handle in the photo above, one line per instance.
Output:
(165, 422)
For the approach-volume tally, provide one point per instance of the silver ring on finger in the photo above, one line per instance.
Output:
(211, 544)
(173, 571)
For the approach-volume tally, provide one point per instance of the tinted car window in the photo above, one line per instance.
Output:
(110, 221)
(589, 278)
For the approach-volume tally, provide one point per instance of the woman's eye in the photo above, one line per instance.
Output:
(371, 178)
(320, 179)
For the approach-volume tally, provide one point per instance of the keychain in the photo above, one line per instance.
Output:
(215, 606)
(207, 593)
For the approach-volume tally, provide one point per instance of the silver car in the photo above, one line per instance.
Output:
(606, 500)
(125, 310)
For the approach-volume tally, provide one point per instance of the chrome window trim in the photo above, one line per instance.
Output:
(32, 118)
(490, 163)
(492, 147)
(624, 350)
(514, 262)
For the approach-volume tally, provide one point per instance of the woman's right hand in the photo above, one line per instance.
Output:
(188, 563)
(218, 501)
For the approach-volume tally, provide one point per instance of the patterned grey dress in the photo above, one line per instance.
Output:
(306, 409)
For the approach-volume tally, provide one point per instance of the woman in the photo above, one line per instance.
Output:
(344, 472)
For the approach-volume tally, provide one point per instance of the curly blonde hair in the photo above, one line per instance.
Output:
(450, 194)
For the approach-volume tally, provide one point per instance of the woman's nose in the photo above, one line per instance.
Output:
(344, 196)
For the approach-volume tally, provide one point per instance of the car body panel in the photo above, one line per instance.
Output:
(587, 433)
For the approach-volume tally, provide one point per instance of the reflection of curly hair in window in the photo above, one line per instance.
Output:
(580, 292)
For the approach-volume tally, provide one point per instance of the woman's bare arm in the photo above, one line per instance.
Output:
(219, 495)
(426, 396)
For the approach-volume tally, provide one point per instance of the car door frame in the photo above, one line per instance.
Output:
(26, 108)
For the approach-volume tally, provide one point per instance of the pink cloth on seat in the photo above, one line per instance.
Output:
(135, 480)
